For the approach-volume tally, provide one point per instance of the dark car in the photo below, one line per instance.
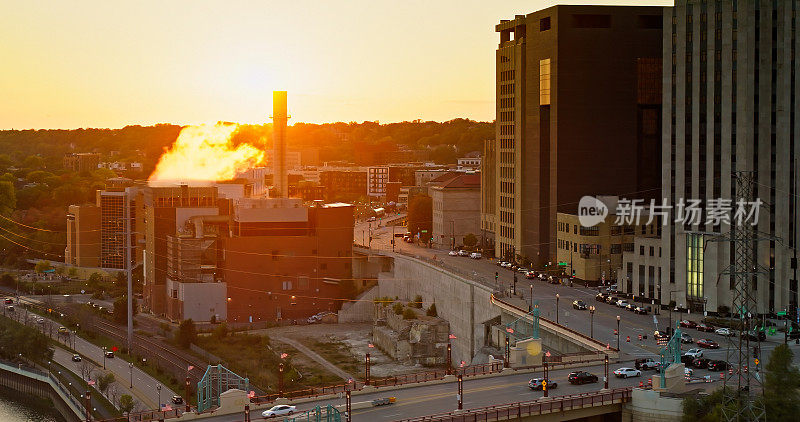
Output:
(579, 305)
(581, 377)
(717, 365)
(687, 359)
(109, 354)
(755, 335)
(600, 297)
(706, 328)
(611, 299)
(701, 362)
(643, 310)
(688, 324)
(76, 358)
(177, 399)
(631, 307)
(536, 384)
(645, 364)
(686, 338)
(707, 344)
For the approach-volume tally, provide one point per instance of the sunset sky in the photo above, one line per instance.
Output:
(111, 63)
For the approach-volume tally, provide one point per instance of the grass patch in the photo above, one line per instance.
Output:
(335, 352)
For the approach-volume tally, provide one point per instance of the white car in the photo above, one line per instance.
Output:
(453, 253)
(724, 332)
(279, 410)
(476, 255)
(695, 353)
(463, 253)
(627, 373)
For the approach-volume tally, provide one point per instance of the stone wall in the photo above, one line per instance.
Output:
(464, 303)
(412, 341)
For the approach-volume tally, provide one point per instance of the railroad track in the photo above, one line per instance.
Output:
(176, 361)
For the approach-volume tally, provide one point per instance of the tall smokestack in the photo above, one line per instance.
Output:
(280, 179)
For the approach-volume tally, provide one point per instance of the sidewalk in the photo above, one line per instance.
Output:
(314, 356)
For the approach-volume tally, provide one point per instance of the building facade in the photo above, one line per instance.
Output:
(456, 209)
(83, 236)
(577, 103)
(730, 105)
(377, 177)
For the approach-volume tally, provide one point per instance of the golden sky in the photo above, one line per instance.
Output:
(101, 63)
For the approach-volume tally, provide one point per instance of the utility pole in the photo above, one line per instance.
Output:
(127, 215)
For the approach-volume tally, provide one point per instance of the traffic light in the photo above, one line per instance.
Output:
(496, 275)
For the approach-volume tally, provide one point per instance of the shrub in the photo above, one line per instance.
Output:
(417, 303)
(409, 313)
(432, 311)
(398, 308)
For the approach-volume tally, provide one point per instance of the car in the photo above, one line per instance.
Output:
(613, 288)
(727, 332)
(641, 310)
(371, 219)
(581, 377)
(10, 308)
(645, 364)
(476, 255)
(9, 301)
(463, 253)
(700, 363)
(627, 373)
(530, 275)
(687, 324)
(536, 384)
(659, 335)
(600, 297)
(687, 359)
(279, 410)
(707, 344)
(40, 320)
(317, 317)
(579, 305)
(453, 253)
(109, 354)
(177, 399)
(686, 338)
(63, 330)
(501, 263)
(755, 335)
(522, 270)
(631, 307)
(717, 365)
(688, 372)
(706, 328)
(505, 264)
(694, 353)
(611, 300)
(553, 280)
(76, 358)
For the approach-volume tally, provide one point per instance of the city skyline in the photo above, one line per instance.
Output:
(97, 65)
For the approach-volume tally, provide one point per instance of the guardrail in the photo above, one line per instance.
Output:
(531, 408)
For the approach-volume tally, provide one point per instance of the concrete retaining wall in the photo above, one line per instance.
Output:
(361, 310)
(462, 302)
(40, 385)
(651, 406)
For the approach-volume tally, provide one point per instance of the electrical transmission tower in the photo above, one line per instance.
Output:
(741, 390)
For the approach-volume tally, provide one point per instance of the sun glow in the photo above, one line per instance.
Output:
(206, 153)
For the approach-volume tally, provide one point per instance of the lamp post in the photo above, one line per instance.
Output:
(591, 325)
(158, 389)
(605, 378)
(104, 357)
(130, 366)
(460, 392)
(530, 301)
(366, 370)
(557, 297)
(449, 361)
(88, 397)
(545, 381)
(280, 379)
(618, 333)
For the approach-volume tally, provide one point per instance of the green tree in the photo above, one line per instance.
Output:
(8, 198)
(397, 308)
(7, 280)
(187, 333)
(95, 279)
(221, 331)
(420, 217)
(126, 404)
(43, 266)
(121, 309)
(72, 272)
(703, 408)
(781, 384)
(470, 240)
(104, 381)
(409, 313)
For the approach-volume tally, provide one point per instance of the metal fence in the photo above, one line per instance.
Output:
(531, 408)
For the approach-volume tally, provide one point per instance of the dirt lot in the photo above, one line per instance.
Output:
(356, 336)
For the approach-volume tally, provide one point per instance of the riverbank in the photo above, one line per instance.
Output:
(18, 407)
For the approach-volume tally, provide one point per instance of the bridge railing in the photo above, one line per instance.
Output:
(531, 408)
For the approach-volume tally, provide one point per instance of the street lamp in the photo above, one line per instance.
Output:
(530, 302)
(605, 378)
(104, 357)
(158, 388)
(557, 297)
(618, 333)
(591, 325)
(130, 365)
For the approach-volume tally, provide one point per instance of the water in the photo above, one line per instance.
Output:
(11, 411)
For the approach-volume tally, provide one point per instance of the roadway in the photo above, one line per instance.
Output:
(430, 399)
(601, 326)
(144, 386)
